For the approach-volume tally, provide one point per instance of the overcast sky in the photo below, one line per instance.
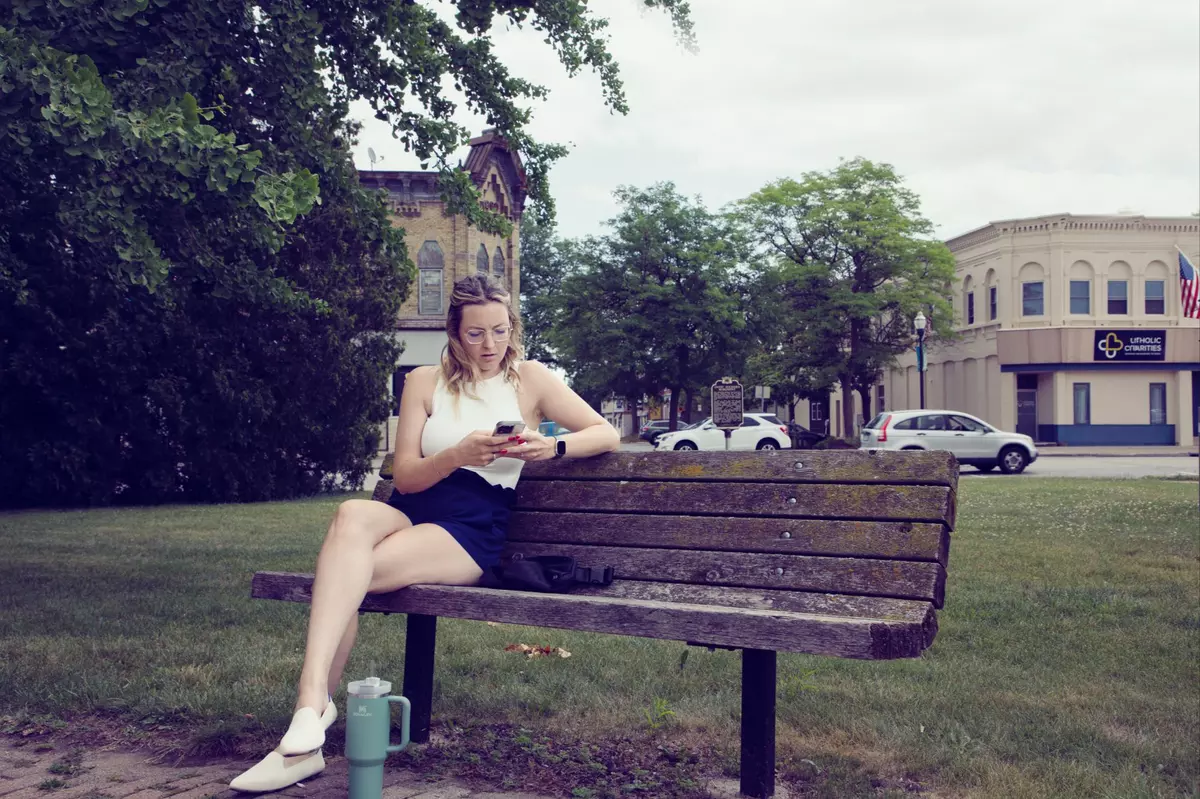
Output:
(990, 110)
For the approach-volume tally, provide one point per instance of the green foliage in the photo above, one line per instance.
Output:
(542, 271)
(849, 262)
(658, 714)
(658, 303)
(197, 297)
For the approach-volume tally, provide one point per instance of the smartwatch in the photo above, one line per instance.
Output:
(560, 448)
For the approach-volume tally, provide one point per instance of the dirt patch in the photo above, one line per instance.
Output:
(483, 757)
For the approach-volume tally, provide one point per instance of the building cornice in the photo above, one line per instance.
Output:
(1070, 222)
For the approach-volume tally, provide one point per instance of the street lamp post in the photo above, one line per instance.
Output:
(919, 329)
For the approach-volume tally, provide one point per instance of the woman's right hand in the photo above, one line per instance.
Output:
(481, 448)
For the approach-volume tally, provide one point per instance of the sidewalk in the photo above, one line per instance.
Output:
(1050, 451)
(27, 774)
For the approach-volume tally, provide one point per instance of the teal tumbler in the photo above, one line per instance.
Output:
(369, 734)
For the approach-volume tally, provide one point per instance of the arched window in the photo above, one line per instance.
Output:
(1080, 289)
(1120, 279)
(431, 265)
(1033, 289)
(498, 263)
(481, 260)
(1156, 288)
(969, 300)
(992, 291)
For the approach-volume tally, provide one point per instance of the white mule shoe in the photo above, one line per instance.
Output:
(277, 771)
(307, 730)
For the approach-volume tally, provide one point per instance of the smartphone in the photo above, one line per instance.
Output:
(508, 428)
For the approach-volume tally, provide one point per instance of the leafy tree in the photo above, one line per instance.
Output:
(196, 295)
(542, 271)
(855, 261)
(654, 304)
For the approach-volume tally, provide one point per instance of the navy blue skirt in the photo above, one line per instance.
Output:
(471, 509)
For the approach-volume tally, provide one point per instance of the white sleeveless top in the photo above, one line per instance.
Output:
(453, 419)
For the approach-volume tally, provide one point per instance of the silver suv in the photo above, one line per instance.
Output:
(971, 440)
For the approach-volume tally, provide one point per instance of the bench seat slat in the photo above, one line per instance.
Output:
(872, 607)
(864, 502)
(904, 579)
(796, 466)
(893, 540)
(780, 630)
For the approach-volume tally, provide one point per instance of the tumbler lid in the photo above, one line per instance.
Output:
(370, 688)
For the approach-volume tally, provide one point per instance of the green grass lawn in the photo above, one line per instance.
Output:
(1066, 665)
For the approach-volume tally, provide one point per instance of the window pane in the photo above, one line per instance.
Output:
(481, 260)
(1156, 297)
(498, 263)
(1081, 296)
(1032, 299)
(1083, 403)
(1158, 403)
(429, 300)
(971, 308)
(1118, 297)
(992, 303)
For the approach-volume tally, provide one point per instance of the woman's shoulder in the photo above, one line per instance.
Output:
(425, 376)
(533, 370)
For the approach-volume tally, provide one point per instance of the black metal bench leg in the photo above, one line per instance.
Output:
(419, 641)
(758, 723)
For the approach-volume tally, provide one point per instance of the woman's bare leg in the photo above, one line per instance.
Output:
(344, 570)
(424, 553)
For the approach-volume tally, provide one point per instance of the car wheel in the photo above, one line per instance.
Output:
(910, 447)
(685, 445)
(1013, 460)
(768, 443)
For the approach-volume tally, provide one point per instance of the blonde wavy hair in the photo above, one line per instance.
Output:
(458, 370)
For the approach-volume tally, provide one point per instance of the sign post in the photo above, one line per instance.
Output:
(727, 406)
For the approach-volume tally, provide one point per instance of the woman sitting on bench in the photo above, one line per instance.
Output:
(466, 428)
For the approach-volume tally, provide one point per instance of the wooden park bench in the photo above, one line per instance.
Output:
(828, 553)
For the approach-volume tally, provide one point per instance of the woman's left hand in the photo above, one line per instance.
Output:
(536, 447)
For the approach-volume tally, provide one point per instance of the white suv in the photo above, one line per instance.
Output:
(973, 441)
(758, 431)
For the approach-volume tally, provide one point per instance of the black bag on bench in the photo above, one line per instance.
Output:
(548, 573)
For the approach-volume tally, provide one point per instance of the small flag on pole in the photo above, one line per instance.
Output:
(1189, 287)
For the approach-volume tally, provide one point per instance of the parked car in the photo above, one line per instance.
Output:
(758, 431)
(656, 427)
(801, 436)
(973, 441)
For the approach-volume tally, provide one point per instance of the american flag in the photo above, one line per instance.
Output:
(1189, 288)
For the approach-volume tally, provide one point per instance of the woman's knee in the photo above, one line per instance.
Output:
(354, 520)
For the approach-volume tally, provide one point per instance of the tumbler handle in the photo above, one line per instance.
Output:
(405, 717)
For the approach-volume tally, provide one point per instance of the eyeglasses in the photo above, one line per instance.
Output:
(477, 336)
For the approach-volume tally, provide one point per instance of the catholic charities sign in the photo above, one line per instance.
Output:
(1130, 345)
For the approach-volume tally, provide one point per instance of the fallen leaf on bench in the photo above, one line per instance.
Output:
(537, 651)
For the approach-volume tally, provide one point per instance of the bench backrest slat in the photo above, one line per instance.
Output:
(903, 579)
(793, 466)
(892, 540)
(800, 500)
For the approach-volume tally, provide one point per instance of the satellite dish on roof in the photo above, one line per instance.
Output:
(371, 156)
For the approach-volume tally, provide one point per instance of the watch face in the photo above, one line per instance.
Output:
(561, 447)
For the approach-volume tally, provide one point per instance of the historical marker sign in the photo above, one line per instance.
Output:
(727, 404)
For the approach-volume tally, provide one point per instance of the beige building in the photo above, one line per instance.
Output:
(1071, 332)
(447, 248)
